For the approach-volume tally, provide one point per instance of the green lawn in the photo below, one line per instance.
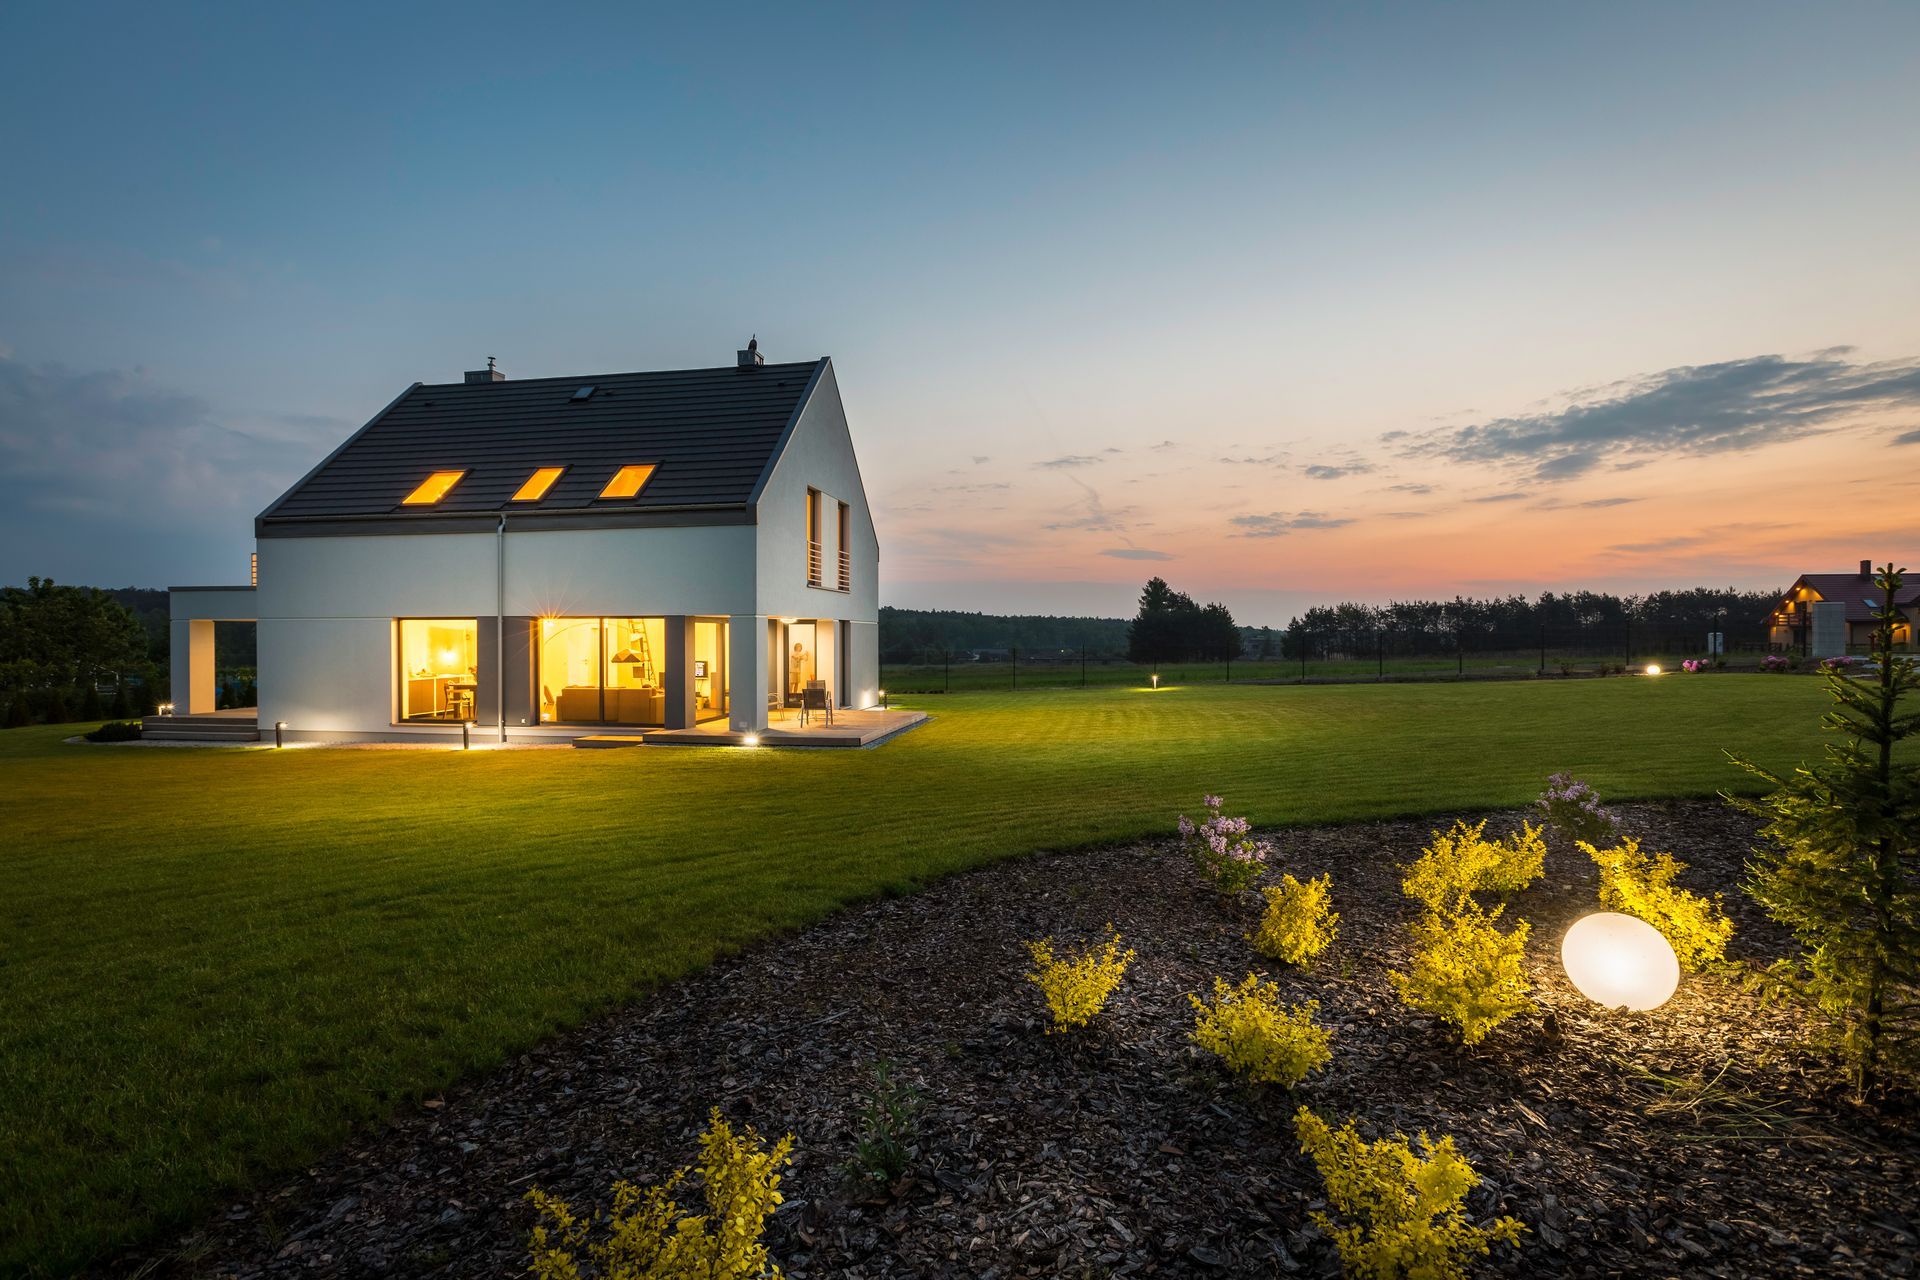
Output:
(212, 962)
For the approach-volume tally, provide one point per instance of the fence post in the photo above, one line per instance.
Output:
(1543, 648)
(1628, 660)
(1379, 654)
(1303, 658)
(1460, 651)
(1015, 651)
(1083, 666)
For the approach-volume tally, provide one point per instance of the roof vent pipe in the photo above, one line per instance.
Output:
(750, 358)
(1866, 569)
(488, 374)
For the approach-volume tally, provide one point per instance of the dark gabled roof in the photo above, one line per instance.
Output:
(710, 433)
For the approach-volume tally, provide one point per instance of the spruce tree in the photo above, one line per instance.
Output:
(1840, 866)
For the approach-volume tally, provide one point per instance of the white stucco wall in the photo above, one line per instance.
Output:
(820, 455)
(326, 605)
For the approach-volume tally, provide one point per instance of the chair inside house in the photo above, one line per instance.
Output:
(814, 698)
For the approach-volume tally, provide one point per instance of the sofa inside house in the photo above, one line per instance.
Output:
(581, 705)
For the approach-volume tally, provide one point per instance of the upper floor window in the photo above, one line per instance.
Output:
(432, 489)
(846, 541)
(815, 568)
(628, 481)
(537, 484)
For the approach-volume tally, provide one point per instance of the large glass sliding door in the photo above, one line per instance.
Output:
(710, 684)
(601, 670)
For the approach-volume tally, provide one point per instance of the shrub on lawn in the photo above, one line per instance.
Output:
(19, 716)
(649, 1236)
(1840, 866)
(1463, 861)
(1077, 986)
(1573, 809)
(116, 731)
(886, 1145)
(54, 709)
(1299, 922)
(1642, 885)
(1261, 1040)
(1465, 971)
(1223, 851)
(1400, 1214)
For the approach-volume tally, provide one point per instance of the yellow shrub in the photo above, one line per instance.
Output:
(1642, 885)
(649, 1237)
(1299, 922)
(1463, 860)
(1259, 1039)
(1465, 970)
(1403, 1213)
(1076, 987)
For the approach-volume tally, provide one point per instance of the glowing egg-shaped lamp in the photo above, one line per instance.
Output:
(1653, 668)
(1620, 961)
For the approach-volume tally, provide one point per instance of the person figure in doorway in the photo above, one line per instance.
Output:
(799, 668)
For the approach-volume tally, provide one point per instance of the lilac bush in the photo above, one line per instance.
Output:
(1574, 809)
(1222, 848)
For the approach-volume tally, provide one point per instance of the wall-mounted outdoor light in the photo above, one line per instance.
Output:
(165, 709)
(1620, 961)
(279, 733)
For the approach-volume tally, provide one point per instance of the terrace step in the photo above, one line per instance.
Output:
(214, 728)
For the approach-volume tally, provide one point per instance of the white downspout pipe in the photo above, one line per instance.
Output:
(500, 622)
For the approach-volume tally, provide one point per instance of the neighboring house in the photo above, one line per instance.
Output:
(1826, 615)
(547, 557)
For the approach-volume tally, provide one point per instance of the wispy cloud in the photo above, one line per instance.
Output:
(1694, 409)
(1498, 497)
(1135, 553)
(1907, 437)
(1274, 524)
(1070, 460)
(1415, 489)
(1335, 471)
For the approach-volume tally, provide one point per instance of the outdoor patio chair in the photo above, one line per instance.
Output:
(814, 698)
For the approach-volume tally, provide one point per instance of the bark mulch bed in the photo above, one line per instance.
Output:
(1699, 1139)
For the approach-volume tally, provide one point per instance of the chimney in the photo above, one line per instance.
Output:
(488, 374)
(750, 358)
(1866, 570)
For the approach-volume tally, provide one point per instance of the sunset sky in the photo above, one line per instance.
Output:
(1288, 306)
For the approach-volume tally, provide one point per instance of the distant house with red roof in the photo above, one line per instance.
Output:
(1828, 614)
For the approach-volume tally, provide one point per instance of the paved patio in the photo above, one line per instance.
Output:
(849, 729)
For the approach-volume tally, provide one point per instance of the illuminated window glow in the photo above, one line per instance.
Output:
(537, 484)
(433, 488)
(628, 481)
(439, 664)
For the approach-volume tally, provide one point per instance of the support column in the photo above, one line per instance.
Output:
(747, 672)
(190, 666)
(516, 671)
(676, 673)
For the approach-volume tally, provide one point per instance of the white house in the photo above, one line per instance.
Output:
(549, 557)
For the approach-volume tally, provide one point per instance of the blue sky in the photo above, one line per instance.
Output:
(1222, 258)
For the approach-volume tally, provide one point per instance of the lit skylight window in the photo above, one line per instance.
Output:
(433, 488)
(537, 484)
(628, 481)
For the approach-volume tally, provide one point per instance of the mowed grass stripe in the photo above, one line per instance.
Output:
(215, 961)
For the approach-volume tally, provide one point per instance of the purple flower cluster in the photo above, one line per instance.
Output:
(1776, 663)
(1692, 665)
(1574, 807)
(1840, 663)
(1224, 848)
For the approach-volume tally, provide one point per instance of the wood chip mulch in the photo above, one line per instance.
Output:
(1699, 1139)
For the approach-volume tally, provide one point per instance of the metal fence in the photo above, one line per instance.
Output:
(1349, 656)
